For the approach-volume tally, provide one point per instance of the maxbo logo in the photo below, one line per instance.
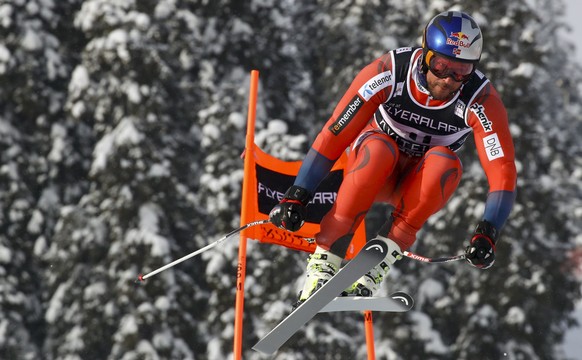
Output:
(375, 84)
(347, 115)
(479, 110)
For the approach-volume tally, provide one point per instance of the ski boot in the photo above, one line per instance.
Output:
(322, 265)
(370, 283)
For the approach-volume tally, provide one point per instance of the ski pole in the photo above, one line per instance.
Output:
(142, 277)
(417, 257)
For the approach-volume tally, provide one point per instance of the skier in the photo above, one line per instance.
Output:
(403, 118)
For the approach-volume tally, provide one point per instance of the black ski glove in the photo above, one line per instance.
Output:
(290, 212)
(481, 251)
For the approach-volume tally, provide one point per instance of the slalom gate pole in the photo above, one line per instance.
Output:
(246, 216)
(142, 277)
(369, 329)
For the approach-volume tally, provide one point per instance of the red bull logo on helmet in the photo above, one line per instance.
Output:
(458, 39)
(459, 35)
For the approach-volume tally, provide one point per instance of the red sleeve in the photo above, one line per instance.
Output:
(369, 89)
(488, 118)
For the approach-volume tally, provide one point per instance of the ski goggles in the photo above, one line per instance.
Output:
(443, 68)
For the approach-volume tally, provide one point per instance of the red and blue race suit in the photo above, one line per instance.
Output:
(402, 146)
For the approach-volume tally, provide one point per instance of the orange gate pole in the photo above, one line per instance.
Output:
(369, 326)
(245, 218)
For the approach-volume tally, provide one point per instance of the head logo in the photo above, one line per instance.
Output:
(376, 247)
(402, 298)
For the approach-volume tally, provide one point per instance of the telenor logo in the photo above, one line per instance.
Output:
(375, 84)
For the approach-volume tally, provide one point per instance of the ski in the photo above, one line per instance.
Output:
(397, 302)
(373, 252)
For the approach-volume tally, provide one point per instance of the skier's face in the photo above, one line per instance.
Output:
(445, 76)
(441, 89)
